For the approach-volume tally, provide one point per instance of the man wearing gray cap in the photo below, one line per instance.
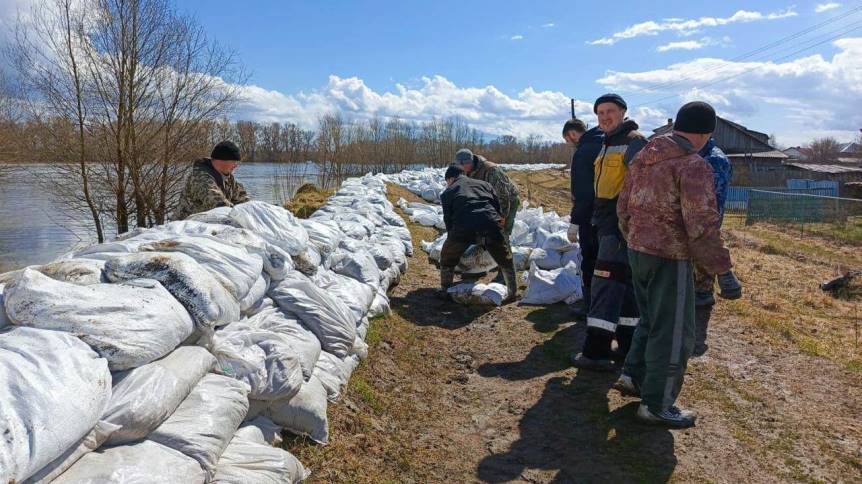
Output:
(479, 168)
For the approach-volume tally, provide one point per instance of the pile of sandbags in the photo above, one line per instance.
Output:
(139, 360)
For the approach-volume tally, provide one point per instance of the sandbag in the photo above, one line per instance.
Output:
(546, 259)
(380, 306)
(208, 302)
(324, 235)
(218, 215)
(558, 241)
(308, 261)
(326, 316)
(362, 329)
(90, 442)
(204, 423)
(245, 461)
(571, 256)
(275, 224)
(232, 266)
(262, 430)
(129, 324)
(479, 294)
(263, 359)
(255, 295)
(334, 373)
(359, 265)
(143, 462)
(305, 413)
(303, 340)
(54, 389)
(263, 303)
(549, 287)
(4, 320)
(146, 396)
(521, 257)
(76, 271)
(356, 295)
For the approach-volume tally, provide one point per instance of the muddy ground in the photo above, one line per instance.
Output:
(455, 394)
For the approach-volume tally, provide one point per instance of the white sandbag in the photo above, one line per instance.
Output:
(204, 423)
(77, 271)
(264, 303)
(476, 260)
(255, 294)
(275, 224)
(53, 388)
(359, 265)
(362, 329)
(549, 287)
(479, 294)
(522, 236)
(329, 318)
(558, 241)
(234, 267)
(129, 324)
(389, 278)
(143, 462)
(146, 396)
(334, 373)
(262, 430)
(380, 306)
(546, 259)
(90, 442)
(354, 294)
(360, 348)
(208, 302)
(571, 256)
(521, 257)
(303, 340)
(308, 261)
(4, 320)
(276, 262)
(245, 462)
(263, 359)
(218, 215)
(305, 413)
(324, 235)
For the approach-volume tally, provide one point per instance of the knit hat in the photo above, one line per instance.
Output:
(227, 151)
(695, 117)
(574, 124)
(454, 171)
(463, 156)
(610, 98)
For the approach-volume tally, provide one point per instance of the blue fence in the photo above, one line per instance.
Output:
(738, 197)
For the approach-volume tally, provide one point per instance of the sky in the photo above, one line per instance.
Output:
(793, 69)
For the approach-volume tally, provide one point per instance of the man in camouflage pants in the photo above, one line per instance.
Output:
(211, 182)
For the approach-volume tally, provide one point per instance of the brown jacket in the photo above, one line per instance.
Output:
(667, 206)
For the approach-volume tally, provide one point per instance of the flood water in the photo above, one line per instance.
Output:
(35, 228)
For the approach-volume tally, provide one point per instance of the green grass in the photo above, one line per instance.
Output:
(368, 394)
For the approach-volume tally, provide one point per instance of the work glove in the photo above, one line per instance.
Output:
(572, 233)
(729, 286)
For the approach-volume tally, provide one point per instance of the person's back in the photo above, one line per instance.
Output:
(582, 175)
(470, 207)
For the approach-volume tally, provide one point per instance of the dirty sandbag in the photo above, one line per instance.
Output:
(275, 224)
(334, 373)
(54, 389)
(476, 260)
(521, 257)
(143, 462)
(90, 442)
(4, 320)
(276, 261)
(232, 266)
(208, 302)
(360, 348)
(354, 294)
(479, 294)
(202, 426)
(303, 340)
(549, 287)
(329, 318)
(244, 461)
(146, 396)
(218, 215)
(380, 306)
(546, 259)
(324, 235)
(308, 261)
(262, 430)
(305, 413)
(359, 265)
(263, 359)
(76, 271)
(129, 324)
(255, 294)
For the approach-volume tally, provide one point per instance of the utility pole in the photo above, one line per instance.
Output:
(573, 108)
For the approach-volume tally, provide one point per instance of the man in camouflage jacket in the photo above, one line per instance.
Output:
(211, 183)
(668, 215)
(478, 168)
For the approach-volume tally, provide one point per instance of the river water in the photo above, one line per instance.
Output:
(35, 228)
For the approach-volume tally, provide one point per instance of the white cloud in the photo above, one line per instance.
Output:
(517, 37)
(484, 108)
(549, 25)
(684, 45)
(796, 96)
(685, 27)
(825, 7)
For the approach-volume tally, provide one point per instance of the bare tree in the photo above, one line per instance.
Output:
(824, 150)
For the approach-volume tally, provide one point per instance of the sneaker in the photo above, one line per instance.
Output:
(627, 387)
(673, 417)
(582, 362)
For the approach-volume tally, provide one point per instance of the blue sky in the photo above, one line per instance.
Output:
(508, 67)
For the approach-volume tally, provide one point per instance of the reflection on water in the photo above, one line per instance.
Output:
(34, 228)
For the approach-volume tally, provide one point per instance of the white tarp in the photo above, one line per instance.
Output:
(54, 389)
(129, 324)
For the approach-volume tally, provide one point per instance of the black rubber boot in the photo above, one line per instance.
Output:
(511, 284)
(702, 315)
(447, 275)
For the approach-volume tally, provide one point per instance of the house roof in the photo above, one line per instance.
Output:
(831, 169)
(730, 136)
(778, 155)
(850, 148)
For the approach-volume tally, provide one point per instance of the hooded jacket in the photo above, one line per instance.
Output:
(470, 208)
(581, 187)
(722, 171)
(618, 149)
(667, 206)
(206, 189)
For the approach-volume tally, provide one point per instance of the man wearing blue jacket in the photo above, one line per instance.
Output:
(704, 298)
(587, 144)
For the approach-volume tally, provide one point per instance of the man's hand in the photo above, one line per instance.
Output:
(729, 286)
(572, 233)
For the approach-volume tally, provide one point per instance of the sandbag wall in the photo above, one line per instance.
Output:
(178, 353)
(540, 244)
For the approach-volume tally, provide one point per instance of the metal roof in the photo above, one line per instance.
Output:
(780, 155)
(833, 169)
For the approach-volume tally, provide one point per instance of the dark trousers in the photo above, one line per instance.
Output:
(664, 338)
(589, 242)
(495, 243)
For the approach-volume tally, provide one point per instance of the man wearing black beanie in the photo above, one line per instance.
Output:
(211, 182)
(669, 217)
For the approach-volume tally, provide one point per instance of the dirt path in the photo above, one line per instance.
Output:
(453, 394)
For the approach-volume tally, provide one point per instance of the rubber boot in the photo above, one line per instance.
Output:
(511, 284)
(701, 326)
(499, 277)
(623, 336)
(447, 275)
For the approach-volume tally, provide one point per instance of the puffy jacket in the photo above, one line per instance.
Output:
(667, 206)
(618, 149)
(470, 208)
(582, 188)
(504, 189)
(722, 171)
